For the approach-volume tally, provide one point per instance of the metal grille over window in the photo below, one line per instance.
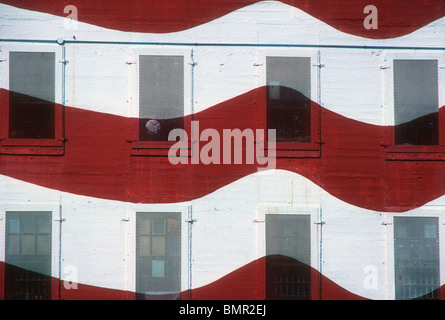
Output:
(28, 256)
(158, 255)
(416, 102)
(161, 96)
(288, 98)
(416, 242)
(32, 95)
(288, 260)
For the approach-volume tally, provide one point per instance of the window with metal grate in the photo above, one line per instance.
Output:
(288, 271)
(28, 256)
(416, 257)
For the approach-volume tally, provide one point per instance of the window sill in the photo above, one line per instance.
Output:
(283, 149)
(152, 148)
(297, 150)
(416, 153)
(50, 147)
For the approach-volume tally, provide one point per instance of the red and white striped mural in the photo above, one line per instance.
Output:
(95, 176)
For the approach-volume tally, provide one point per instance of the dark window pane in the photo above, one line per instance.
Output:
(29, 224)
(288, 98)
(32, 95)
(415, 228)
(14, 225)
(173, 245)
(172, 268)
(416, 102)
(28, 244)
(158, 225)
(43, 244)
(161, 96)
(13, 247)
(42, 225)
(430, 231)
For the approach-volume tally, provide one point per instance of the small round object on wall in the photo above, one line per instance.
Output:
(153, 126)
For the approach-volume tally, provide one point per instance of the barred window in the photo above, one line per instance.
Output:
(28, 256)
(416, 255)
(288, 271)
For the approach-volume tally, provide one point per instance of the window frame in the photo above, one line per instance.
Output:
(430, 212)
(152, 216)
(411, 152)
(314, 212)
(32, 146)
(55, 245)
(295, 149)
(156, 148)
(184, 212)
(422, 239)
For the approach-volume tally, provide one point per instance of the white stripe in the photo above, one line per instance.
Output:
(225, 237)
(102, 78)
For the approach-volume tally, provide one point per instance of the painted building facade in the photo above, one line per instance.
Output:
(92, 207)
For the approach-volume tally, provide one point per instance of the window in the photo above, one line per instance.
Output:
(288, 257)
(288, 98)
(289, 107)
(416, 111)
(32, 121)
(28, 256)
(161, 96)
(416, 250)
(158, 255)
(32, 95)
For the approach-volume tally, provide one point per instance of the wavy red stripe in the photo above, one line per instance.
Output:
(396, 18)
(353, 163)
(245, 283)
